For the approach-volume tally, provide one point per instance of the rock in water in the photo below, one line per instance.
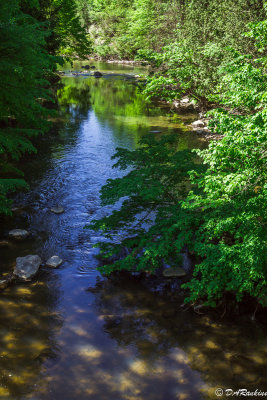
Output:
(57, 210)
(97, 74)
(27, 267)
(18, 234)
(174, 272)
(54, 262)
(198, 124)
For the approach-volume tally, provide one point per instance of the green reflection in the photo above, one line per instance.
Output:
(118, 101)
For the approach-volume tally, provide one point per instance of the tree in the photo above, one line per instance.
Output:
(23, 61)
(221, 217)
(189, 63)
(60, 18)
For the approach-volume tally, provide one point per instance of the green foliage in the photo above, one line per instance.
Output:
(152, 191)
(118, 28)
(22, 116)
(32, 32)
(185, 41)
(220, 216)
(60, 18)
(189, 64)
(233, 202)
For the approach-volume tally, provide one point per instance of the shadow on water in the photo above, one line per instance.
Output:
(28, 325)
(120, 340)
(225, 353)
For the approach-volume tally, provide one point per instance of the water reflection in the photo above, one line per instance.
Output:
(118, 102)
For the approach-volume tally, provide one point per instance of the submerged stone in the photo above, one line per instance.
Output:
(57, 210)
(54, 262)
(27, 267)
(18, 234)
(174, 272)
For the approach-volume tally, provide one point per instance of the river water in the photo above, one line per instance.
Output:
(70, 334)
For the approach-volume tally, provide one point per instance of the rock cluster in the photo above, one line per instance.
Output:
(200, 126)
(184, 104)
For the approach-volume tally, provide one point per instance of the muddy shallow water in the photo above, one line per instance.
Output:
(71, 334)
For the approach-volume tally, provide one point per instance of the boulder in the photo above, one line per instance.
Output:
(174, 272)
(57, 210)
(198, 124)
(54, 262)
(18, 234)
(97, 74)
(86, 66)
(154, 131)
(184, 104)
(27, 267)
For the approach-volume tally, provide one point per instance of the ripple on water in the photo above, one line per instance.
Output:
(86, 270)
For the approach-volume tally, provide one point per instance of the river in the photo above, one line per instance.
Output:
(71, 334)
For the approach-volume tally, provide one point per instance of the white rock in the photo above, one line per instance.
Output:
(185, 100)
(54, 262)
(27, 267)
(198, 124)
(18, 234)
